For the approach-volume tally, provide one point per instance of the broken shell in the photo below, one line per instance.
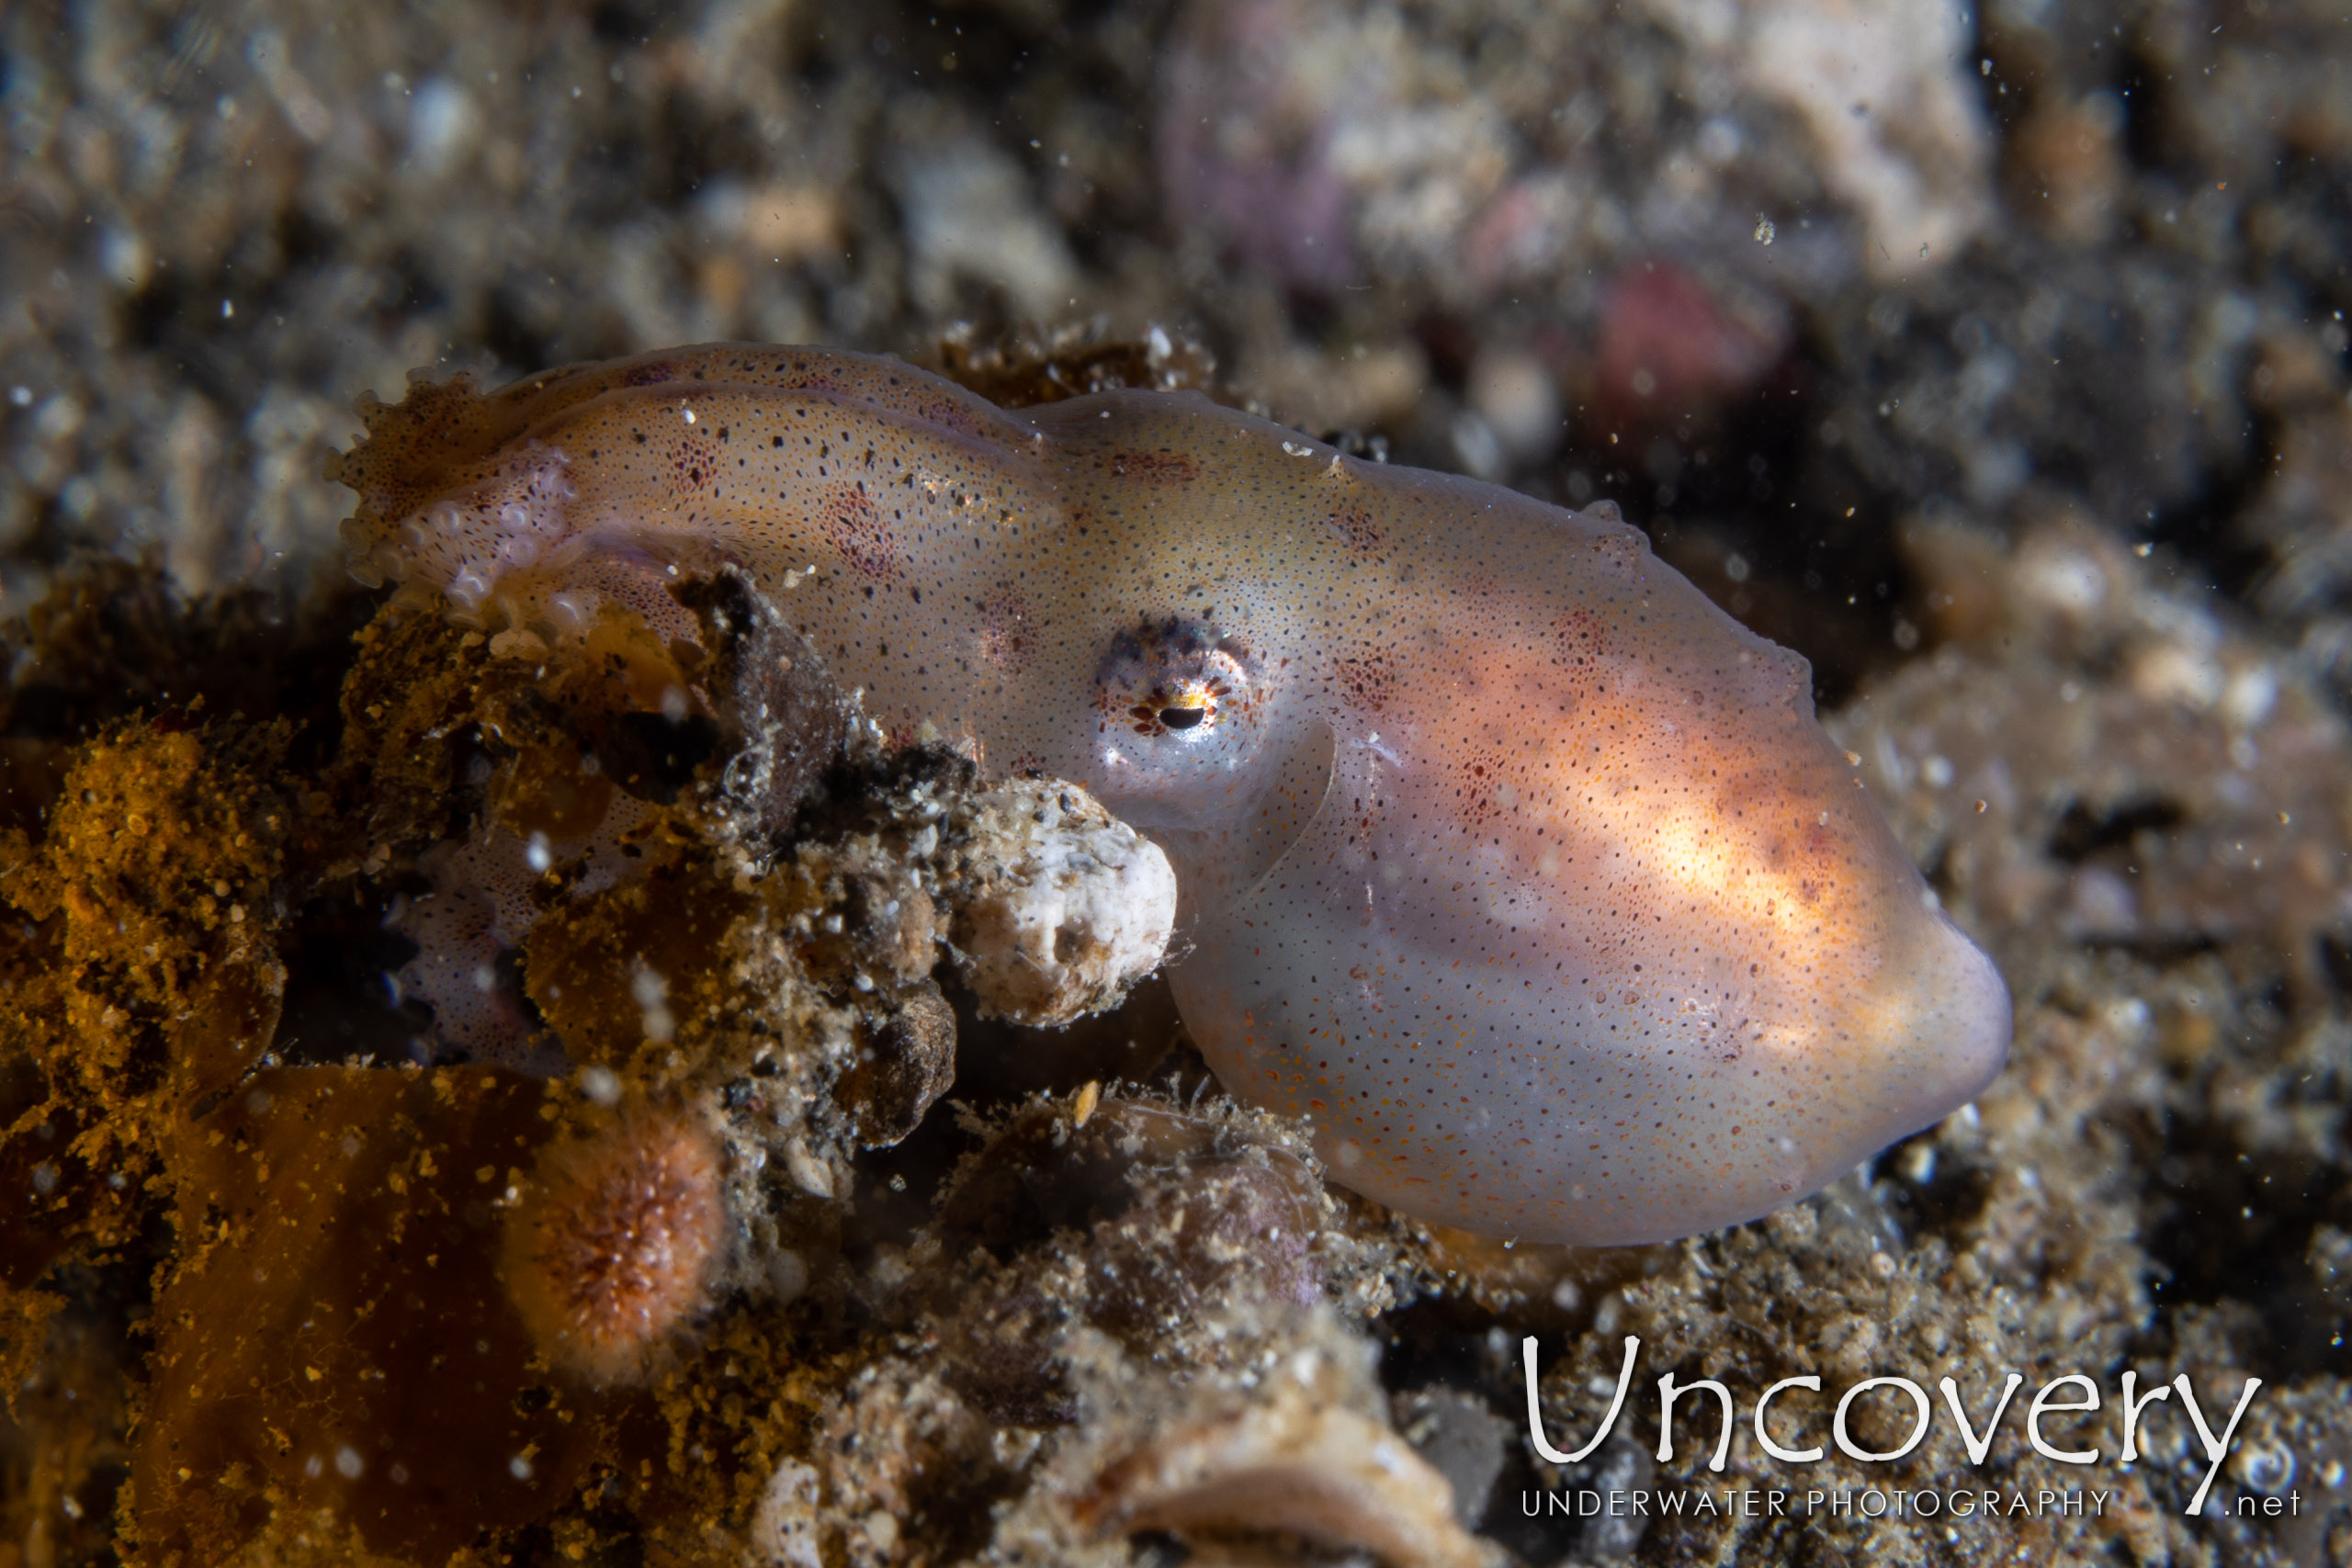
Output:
(905, 1064)
(1324, 1471)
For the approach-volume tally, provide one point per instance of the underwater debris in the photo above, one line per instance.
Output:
(2190, 799)
(910, 1063)
(1299, 1459)
(1184, 1214)
(1333, 1476)
(147, 980)
(334, 1352)
(1900, 131)
(1022, 371)
(1061, 908)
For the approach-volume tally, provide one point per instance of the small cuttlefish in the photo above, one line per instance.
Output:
(1509, 861)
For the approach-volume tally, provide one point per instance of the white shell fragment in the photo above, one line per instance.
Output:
(784, 1532)
(1291, 1463)
(1060, 906)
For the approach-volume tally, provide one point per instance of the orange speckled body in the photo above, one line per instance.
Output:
(1510, 860)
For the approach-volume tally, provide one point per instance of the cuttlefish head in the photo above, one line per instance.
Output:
(1564, 922)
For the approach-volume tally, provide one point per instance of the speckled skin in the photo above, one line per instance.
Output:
(1508, 860)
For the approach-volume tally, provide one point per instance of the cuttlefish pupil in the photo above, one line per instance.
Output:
(1189, 707)
(1509, 862)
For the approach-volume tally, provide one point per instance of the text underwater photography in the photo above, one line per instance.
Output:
(1793, 1406)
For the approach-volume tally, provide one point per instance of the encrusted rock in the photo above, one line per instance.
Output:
(1060, 907)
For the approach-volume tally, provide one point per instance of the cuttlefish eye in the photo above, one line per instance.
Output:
(1179, 703)
(1173, 677)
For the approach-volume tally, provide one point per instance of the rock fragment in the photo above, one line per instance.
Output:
(1061, 907)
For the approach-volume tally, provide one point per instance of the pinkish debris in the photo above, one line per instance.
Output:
(1669, 350)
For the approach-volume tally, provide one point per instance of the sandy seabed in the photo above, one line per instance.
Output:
(1994, 361)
